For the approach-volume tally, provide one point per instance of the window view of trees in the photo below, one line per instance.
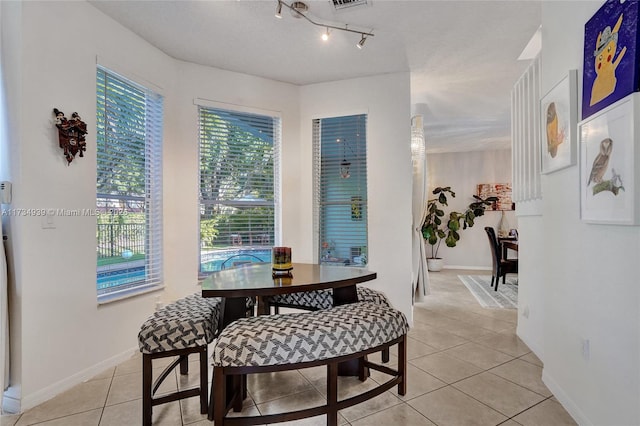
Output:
(237, 197)
(128, 183)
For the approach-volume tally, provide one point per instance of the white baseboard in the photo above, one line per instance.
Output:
(568, 404)
(45, 394)
(470, 268)
(11, 400)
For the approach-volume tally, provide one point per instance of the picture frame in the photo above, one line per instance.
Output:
(611, 55)
(609, 184)
(559, 119)
(500, 190)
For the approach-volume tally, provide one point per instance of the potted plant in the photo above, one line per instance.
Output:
(435, 229)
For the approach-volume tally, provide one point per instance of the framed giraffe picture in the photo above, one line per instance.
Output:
(559, 117)
(611, 55)
(609, 184)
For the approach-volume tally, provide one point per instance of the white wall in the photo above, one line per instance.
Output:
(589, 281)
(463, 171)
(386, 100)
(60, 335)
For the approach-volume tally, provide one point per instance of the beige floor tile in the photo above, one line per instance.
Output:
(523, 374)
(107, 374)
(83, 397)
(418, 382)
(532, 358)
(130, 413)
(190, 410)
(307, 399)
(401, 414)
(459, 328)
(498, 393)
(445, 367)
(435, 338)
(372, 406)
(416, 349)
(450, 407)
(9, 419)
(129, 387)
(508, 343)
(546, 413)
(132, 365)
(479, 355)
(269, 386)
(88, 418)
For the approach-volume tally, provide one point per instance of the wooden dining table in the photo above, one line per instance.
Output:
(256, 280)
(508, 245)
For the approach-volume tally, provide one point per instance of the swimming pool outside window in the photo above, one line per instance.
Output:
(129, 187)
(237, 185)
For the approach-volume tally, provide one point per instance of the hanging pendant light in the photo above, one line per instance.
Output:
(344, 169)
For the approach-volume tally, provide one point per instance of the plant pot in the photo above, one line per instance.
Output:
(435, 264)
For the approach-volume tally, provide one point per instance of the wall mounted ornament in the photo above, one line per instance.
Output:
(559, 116)
(609, 177)
(611, 55)
(71, 134)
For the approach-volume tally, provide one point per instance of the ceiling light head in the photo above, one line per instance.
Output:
(360, 44)
(325, 35)
(299, 8)
(279, 10)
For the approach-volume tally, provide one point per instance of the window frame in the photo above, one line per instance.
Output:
(148, 201)
(276, 121)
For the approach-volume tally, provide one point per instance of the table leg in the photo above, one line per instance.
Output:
(263, 307)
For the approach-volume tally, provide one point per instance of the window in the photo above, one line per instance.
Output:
(238, 155)
(129, 187)
(340, 162)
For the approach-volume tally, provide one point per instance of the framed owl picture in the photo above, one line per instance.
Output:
(609, 186)
(559, 117)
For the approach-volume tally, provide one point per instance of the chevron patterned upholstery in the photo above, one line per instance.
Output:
(323, 299)
(186, 323)
(307, 336)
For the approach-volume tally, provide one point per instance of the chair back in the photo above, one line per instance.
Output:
(495, 247)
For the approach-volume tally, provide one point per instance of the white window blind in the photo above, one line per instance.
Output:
(129, 186)
(238, 191)
(340, 161)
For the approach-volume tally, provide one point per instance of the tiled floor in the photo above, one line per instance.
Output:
(466, 367)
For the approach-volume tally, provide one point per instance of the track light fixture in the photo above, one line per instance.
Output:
(298, 8)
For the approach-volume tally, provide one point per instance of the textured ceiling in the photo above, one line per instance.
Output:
(462, 55)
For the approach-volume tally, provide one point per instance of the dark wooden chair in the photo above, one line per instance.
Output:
(501, 266)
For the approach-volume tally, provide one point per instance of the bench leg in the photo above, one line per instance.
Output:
(385, 355)
(402, 365)
(332, 394)
(238, 392)
(220, 398)
(146, 389)
(203, 380)
(184, 364)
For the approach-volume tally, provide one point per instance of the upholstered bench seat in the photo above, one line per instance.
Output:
(186, 323)
(307, 336)
(178, 329)
(307, 339)
(323, 299)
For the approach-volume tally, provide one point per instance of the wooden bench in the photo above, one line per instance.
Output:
(328, 337)
(177, 330)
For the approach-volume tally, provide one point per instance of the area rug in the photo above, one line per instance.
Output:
(480, 286)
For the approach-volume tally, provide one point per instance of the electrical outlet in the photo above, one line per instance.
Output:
(586, 349)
